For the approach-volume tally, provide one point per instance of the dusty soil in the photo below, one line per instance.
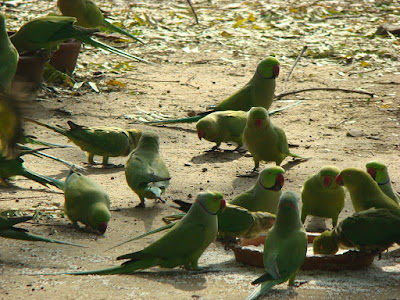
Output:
(196, 66)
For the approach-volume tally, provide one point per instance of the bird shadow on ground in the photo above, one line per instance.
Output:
(145, 215)
(181, 279)
(292, 163)
(216, 157)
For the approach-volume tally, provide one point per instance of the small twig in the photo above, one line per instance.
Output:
(281, 95)
(294, 65)
(192, 8)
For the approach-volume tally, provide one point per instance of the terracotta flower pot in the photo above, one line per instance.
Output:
(64, 59)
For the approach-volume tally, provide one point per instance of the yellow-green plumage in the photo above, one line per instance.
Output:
(380, 174)
(322, 196)
(369, 230)
(103, 141)
(8, 57)
(10, 125)
(264, 140)
(222, 126)
(182, 245)
(285, 246)
(265, 194)
(88, 15)
(145, 171)
(86, 202)
(364, 191)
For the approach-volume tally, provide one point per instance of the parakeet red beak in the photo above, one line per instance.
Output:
(275, 70)
(280, 180)
(259, 123)
(223, 205)
(372, 172)
(201, 133)
(339, 180)
(327, 181)
(102, 227)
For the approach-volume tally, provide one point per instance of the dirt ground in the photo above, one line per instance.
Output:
(197, 65)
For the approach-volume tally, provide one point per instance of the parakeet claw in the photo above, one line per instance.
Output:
(113, 166)
(141, 205)
(160, 200)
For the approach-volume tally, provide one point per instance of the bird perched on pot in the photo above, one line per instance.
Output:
(380, 174)
(86, 202)
(49, 31)
(285, 247)
(7, 230)
(222, 126)
(364, 191)
(145, 171)
(8, 57)
(322, 196)
(181, 246)
(89, 15)
(264, 140)
(265, 194)
(372, 230)
(259, 91)
(104, 141)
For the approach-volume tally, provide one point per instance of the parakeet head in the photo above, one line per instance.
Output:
(327, 175)
(288, 202)
(378, 172)
(134, 136)
(149, 139)
(268, 68)
(325, 244)
(211, 202)
(353, 178)
(206, 128)
(271, 178)
(258, 117)
(99, 215)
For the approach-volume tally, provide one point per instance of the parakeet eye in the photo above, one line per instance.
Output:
(348, 174)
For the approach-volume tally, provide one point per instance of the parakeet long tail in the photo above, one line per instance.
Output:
(265, 286)
(121, 31)
(126, 268)
(45, 180)
(108, 48)
(54, 128)
(22, 234)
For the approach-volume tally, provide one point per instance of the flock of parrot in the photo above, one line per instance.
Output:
(244, 119)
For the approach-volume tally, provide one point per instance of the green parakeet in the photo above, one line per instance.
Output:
(380, 174)
(264, 140)
(259, 91)
(49, 31)
(7, 230)
(104, 141)
(89, 15)
(285, 247)
(369, 230)
(8, 57)
(322, 196)
(265, 194)
(222, 126)
(86, 202)
(236, 221)
(182, 245)
(364, 191)
(10, 167)
(145, 171)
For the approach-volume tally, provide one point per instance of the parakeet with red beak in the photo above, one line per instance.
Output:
(259, 91)
(285, 247)
(364, 191)
(322, 196)
(182, 245)
(380, 174)
(86, 202)
(264, 140)
(265, 194)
